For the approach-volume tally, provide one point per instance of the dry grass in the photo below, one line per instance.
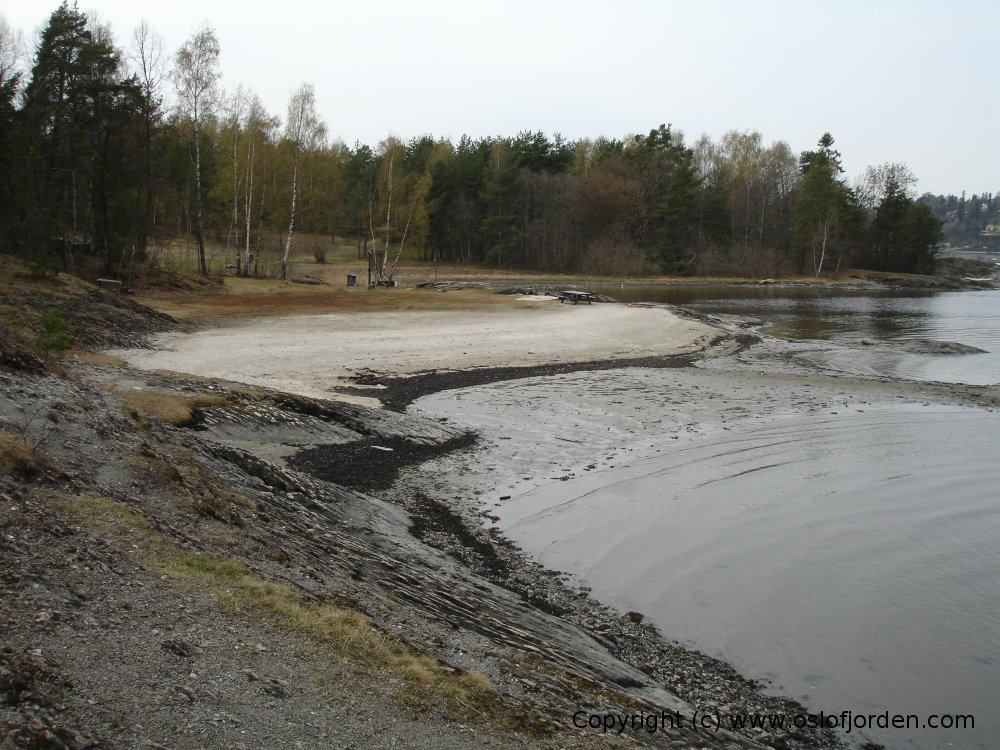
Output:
(166, 407)
(87, 357)
(243, 297)
(265, 297)
(18, 455)
(350, 635)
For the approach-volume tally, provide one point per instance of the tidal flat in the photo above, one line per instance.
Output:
(833, 536)
(854, 511)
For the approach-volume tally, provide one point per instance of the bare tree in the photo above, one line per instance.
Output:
(385, 193)
(305, 132)
(196, 75)
(873, 185)
(233, 135)
(246, 131)
(11, 51)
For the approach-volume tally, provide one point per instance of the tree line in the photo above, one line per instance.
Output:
(969, 221)
(96, 164)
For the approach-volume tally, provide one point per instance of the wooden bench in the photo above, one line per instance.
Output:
(576, 297)
(109, 284)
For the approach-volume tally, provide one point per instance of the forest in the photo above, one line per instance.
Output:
(117, 153)
(971, 222)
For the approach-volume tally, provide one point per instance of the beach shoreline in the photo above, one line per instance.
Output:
(120, 472)
(564, 452)
(450, 517)
(324, 354)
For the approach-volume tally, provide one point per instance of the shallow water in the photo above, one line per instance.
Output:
(851, 558)
(844, 317)
(843, 544)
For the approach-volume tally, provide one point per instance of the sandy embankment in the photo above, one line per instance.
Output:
(312, 355)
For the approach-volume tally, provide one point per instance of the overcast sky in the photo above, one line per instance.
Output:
(893, 81)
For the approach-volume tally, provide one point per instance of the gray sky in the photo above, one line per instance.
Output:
(893, 81)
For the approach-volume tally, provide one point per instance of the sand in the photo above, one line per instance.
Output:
(314, 354)
(548, 443)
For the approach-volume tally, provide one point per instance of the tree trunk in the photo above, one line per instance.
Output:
(291, 219)
(199, 221)
(148, 223)
(248, 207)
(818, 264)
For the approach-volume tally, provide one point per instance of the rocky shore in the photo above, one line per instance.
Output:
(189, 562)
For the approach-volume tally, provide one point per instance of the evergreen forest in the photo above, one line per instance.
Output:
(114, 153)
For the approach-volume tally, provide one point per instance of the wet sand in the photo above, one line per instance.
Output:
(812, 529)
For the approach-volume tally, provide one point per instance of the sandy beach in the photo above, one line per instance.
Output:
(312, 355)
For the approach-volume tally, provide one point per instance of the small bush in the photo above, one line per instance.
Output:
(53, 337)
(18, 455)
(43, 267)
(319, 253)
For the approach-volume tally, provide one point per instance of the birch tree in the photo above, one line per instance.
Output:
(231, 137)
(305, 132)
(822, 205)
(246, 132)
(259, 127)
(196, 76)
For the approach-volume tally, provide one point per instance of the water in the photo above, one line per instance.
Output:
(847, 558)
(842, 318)
(837, 540)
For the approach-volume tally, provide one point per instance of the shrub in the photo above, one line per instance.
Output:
(53, 337)
(18, 455)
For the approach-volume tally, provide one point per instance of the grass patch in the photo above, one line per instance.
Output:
(169, 408)
(266, 297)
(107, 514)
(349, 634)
(18, 455)
(87, 357)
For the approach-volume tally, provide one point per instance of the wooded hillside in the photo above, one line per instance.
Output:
(96, 164)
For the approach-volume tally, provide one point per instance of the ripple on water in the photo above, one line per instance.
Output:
(856, 556)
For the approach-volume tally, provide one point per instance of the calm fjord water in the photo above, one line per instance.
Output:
(848, 552)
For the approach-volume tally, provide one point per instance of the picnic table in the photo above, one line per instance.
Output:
(576, 297)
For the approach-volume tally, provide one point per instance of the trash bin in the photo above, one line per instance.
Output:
(351, 279)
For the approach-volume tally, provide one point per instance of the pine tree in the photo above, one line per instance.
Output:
(78, 116)
(675, 237)
(823, 203)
